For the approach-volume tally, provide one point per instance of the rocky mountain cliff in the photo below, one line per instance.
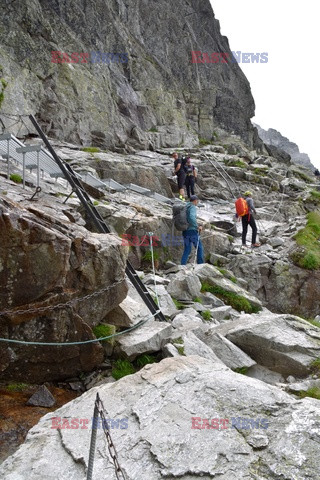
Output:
(273, 137)
(157, 98)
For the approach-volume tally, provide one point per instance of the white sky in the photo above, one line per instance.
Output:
(286, 89)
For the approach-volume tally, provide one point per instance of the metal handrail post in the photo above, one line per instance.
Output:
(38, 169)
(23, 169)
(8, 154)
(93, 440)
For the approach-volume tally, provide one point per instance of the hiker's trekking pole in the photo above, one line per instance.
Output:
(195, 258)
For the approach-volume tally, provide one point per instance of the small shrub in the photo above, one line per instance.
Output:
(15, 177)
(122, 368)
(91, 149)
(103, 330)
(95, 203)
(206, 315)
(203, 142)
(153, 129)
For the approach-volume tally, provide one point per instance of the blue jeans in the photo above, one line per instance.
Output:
(191, 237)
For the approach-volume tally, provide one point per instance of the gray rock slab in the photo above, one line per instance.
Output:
(148, 338)
(283, 343)
(232, 356)
(161, 403)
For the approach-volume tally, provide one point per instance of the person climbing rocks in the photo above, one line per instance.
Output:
(191, 175)
(248, 219)
(181, 174)
(191, 236)
(316, 172)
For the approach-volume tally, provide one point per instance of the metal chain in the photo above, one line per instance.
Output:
(111, 447)
(61, 305)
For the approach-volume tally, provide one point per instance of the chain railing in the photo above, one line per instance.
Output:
(99, 410)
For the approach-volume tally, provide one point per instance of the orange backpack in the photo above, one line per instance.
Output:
(241, 207)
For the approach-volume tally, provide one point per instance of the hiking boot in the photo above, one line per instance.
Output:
(256, 245)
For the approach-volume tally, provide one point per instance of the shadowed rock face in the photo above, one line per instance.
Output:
(45, 262)
(116, 104)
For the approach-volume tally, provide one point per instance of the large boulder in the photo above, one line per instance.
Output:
(283, 343)
(57, 281)
(164, 414)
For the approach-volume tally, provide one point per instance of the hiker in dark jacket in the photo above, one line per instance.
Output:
(191, 236)
(249, 220)
(191, 176)
(181, 174)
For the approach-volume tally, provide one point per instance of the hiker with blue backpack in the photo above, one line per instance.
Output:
(191, 236)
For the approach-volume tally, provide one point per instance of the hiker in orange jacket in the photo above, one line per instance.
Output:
(248, 219)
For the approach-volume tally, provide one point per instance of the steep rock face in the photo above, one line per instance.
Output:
(45, 262)
(274, 138)
(116, 104)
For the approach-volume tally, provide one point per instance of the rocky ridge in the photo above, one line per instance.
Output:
(274, 138)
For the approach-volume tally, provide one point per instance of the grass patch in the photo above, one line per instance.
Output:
(148, 257)
(308, 239)
(90, 149)
(302, 176)
(238, 302)
(95, 203)
(315, 366)
(16, 178)
(235, 163)
(260, 171)
(197, 300)
(17, 387)
(181, 350)
(144, 359)
(153, 129)
(206, 315)
(242, 370)
(178, 304)
(315, 196)
(313, 392)
(203, 142)
(122, 368)
(104, 330)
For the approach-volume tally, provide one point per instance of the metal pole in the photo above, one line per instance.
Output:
(38, 169)
(93, 440)
(23, 169)
(8, 153)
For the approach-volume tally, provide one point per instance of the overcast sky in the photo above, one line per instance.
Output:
(286, 89)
